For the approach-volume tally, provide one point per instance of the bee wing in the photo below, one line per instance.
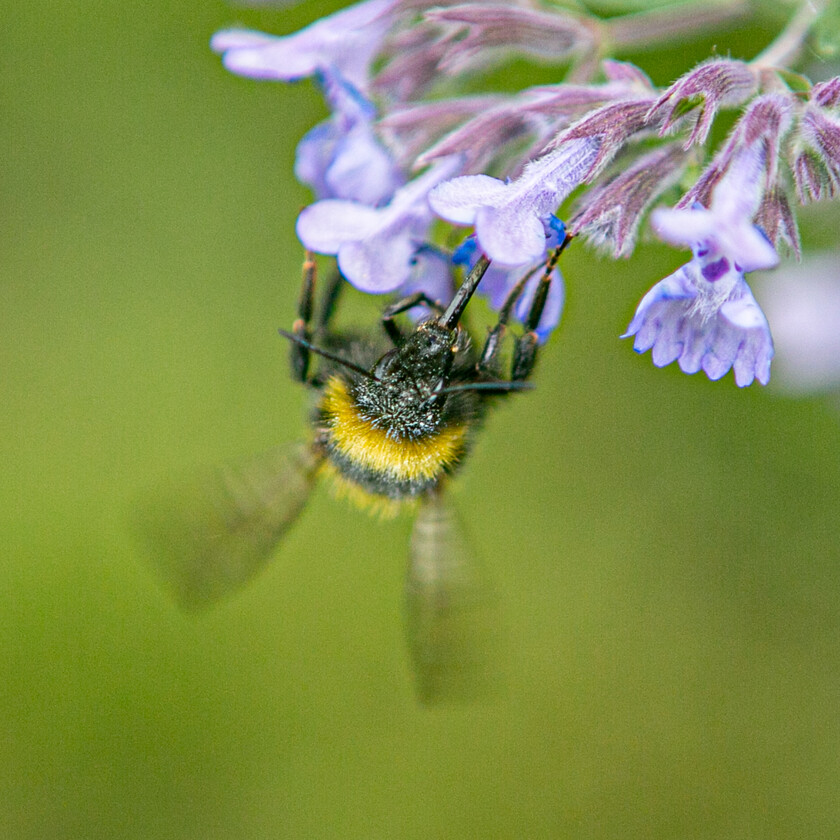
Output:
(452, 619)
(214, 532)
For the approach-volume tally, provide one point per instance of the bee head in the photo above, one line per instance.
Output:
(403, 395)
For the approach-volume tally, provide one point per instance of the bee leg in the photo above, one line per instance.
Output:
(329, 299)
(403, 305)
(488, 362)
(299, 354)
(525, 349)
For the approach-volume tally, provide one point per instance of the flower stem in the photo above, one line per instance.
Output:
(646, 30)
(783, 51)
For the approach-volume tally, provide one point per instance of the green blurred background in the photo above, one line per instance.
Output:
(666, 548)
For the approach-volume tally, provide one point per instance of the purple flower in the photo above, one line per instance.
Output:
(346, 41)
(375, 246)
(704, 315)
(712, 324)
(726, 228)
(510, 218)
(342, 156)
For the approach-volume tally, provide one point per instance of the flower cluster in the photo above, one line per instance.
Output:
(400, 151)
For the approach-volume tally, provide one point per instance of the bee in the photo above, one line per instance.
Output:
(394, 419)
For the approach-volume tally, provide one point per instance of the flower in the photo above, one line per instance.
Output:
(342, 156)
(510, 218)
(687, 318)
(704, 315)
(346, 41)
(375, 246)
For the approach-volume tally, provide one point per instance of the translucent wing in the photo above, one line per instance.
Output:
(452, 617)
(212, 534)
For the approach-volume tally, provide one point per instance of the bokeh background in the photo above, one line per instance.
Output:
(666, 548)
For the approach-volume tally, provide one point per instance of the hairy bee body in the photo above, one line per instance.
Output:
(389, 440)
(393, 420)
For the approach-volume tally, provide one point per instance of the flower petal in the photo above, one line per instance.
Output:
(326, 225)
(346, 40)
(553, 303)
(670, 322)
(510, 236)
(459, 200)
(377, 264)
(362, 169)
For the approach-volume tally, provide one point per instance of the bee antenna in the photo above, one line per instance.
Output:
(515, 385)
(328, 355)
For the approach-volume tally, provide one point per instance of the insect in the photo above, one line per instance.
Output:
(394, 418)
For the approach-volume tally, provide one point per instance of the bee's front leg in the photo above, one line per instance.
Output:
(299, 353)
(403, 305)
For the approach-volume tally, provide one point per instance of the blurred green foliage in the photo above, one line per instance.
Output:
(666, 548)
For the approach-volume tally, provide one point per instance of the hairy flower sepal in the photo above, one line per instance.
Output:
(510, 218)
(705, 318)
(375, 246)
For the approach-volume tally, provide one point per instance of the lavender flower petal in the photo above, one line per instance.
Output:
(326, 225)
(342, 157)
(346, 40)
(499, 281)
(726, 228)
(509, 218)
(459, 200)
(550, 317)
(431, 273)
(674, 321)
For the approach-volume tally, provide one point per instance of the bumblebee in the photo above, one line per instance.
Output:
(394, 419)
